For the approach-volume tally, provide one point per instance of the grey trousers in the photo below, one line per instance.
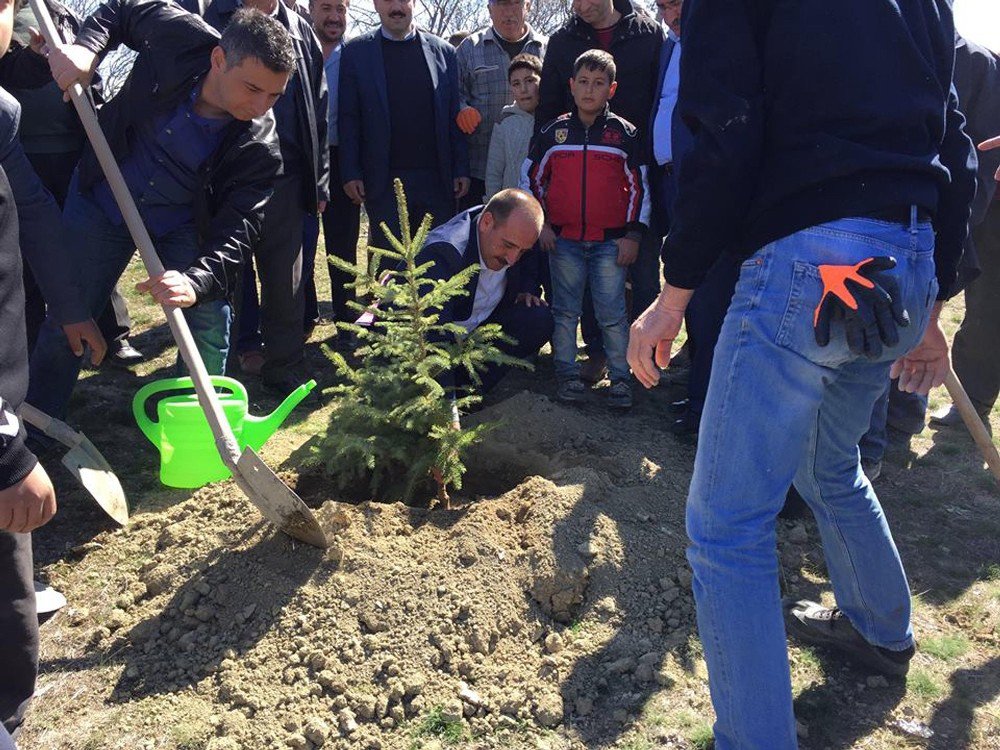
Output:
(18, 629)
(976, 351)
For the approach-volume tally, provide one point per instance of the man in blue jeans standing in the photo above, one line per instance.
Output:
(836, 164)
(192, 131)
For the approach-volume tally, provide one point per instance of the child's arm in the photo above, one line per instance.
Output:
(496, 161)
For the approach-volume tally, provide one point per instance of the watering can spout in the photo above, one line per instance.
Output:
(256, 430)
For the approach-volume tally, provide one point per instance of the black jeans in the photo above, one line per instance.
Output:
(18, 629)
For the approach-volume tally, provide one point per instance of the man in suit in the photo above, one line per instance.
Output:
(399, 99)
(300, 118)
(493, 237)
(707, 309)
(342, 217)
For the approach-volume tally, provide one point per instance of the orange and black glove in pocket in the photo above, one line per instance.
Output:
(865, 297)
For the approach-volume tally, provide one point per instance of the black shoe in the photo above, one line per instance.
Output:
(678, 407)
(872, 469)
(283, 382)
(684, 427)
(817, 625)
(123, 354)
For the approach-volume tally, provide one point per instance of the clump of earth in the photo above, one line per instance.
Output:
(543, 610)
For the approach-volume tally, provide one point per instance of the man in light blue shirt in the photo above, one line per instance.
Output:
(707, 309)
(341, 219)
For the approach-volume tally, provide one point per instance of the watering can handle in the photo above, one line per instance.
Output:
(147, 425)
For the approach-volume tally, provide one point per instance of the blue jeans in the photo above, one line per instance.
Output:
(103, 250)
(574, 265)
(780, 409)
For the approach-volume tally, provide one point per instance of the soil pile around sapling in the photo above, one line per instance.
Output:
(552, 610)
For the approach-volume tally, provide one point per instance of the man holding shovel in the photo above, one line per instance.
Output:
(192, 131)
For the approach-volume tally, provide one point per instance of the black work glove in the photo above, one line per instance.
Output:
(866, 298)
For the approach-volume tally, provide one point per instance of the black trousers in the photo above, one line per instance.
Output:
(424, 195)
(529, 327)
(703, 322)
(976, 354)
(278, 262)
(18, 629)
(55, 171)
(341, 225)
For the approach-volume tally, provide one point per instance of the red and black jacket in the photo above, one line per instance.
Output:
(590, 181)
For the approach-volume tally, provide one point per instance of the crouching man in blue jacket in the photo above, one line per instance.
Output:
(494, 237)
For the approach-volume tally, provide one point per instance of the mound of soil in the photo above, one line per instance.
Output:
(543, 611)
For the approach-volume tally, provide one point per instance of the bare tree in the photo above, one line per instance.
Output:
(118, 64)
(548, 15)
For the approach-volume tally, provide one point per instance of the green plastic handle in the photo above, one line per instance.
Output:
(147, 425)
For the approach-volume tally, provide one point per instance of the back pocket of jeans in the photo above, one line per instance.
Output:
(797, 330)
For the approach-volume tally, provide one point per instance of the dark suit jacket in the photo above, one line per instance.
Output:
(453, 247)
(39, 223)
(309, 88)
(363, 117)
(977, 80)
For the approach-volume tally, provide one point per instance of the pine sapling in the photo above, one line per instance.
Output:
(395, 425)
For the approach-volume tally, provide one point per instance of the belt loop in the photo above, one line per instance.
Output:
(913, 219)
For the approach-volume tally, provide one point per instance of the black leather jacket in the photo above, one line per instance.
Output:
(308, 86)
(236, 181)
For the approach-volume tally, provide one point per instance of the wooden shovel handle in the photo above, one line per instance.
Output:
(973, 422)
(224, 438)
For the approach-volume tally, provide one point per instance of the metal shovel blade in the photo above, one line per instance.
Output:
(90, 469)
(276, 501)
(84, 462)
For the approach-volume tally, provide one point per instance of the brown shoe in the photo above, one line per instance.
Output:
(252, 362)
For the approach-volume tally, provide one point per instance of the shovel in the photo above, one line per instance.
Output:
(273, 498)
(84, 462)
(972, 421)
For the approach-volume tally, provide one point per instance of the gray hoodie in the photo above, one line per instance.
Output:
(508, 149)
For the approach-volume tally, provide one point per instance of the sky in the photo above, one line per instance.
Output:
(979, 21)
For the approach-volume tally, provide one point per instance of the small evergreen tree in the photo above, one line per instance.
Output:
(394, 424)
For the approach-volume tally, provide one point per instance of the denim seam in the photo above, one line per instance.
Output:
(835, 522)
(753, 303)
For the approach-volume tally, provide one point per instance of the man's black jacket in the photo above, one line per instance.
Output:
(174, 49)
(309, 88)
(635, 46)
(16, 461)
(807, 112)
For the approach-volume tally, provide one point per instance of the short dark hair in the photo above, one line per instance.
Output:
(525, 61)
(596, 60)
(251, 34)
(503, 203)
(458, 37)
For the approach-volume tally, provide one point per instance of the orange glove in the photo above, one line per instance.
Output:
(865, 297)
(468, 120)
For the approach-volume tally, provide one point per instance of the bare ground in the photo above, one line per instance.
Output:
(550, 609)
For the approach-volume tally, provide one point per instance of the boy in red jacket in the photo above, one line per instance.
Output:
(585, 167)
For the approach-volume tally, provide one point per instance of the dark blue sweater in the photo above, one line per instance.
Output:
(805, 111)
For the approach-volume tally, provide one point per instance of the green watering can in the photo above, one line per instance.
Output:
(188, 456)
